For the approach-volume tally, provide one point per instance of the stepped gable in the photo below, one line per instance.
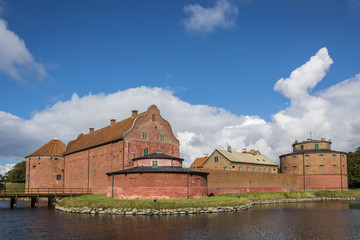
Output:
(108, 134)
(54, 148)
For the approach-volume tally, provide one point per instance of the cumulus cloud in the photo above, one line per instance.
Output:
(204, 20)
(5, 168)
(15, 59)
(331, 113)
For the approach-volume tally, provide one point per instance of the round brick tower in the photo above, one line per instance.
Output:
(317, 166)
(45, 166)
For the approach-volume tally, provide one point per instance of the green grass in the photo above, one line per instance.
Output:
(236, 199)
(15, 185)
(272, 195)
(338, 194)
(101, 201)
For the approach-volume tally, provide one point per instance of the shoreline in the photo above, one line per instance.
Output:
(192, 210)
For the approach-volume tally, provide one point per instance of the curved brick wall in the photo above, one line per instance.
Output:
(157, 186)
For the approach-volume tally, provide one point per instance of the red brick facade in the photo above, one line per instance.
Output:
(86, 166)
(220, 181)
(157, 185)
(317, 166)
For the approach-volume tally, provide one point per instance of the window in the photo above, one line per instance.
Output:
(62, 170)
(94, 173)
(58, 177)
(259, 169)
(56, 159)
(334, 165)
(144, 135)
(294, 167)
(224, 168)
(216, 159)
(81, 174)
(146, 151)
(343, 166)
(328, 146)
(321, 165)
(269, 170)
(162, 137)
(253, 169)
(247, 169)
(233, 168)
(239, 169)
(302, 147)
(334, 155)
(294, 156)
(307, 166)
(306, 155)
(264, 170)
(154, 164)
(27, 177)
(321, 155)
(285, 168)
(316, 146)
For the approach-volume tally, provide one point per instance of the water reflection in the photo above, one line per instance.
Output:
(318, 220)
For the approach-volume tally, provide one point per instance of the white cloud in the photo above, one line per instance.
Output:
(5, 168)
(204, 20)
(15, 59)
(332, 113)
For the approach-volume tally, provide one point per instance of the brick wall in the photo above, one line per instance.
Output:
(156, 186)
(41, 172)
(231, 182)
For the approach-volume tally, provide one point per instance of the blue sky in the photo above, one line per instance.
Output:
(221, 54)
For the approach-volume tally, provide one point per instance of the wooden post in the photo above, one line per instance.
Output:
(13, 202)
(34, 202)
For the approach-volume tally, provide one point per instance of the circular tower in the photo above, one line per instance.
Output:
(45, 166)
(317, 166)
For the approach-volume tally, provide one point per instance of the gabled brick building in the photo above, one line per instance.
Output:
(112, 148)
(252, 161)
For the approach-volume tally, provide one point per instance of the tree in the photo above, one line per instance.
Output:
(354, 168)
(17, 173)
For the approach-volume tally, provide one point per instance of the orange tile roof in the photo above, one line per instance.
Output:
(54, 148)
(199, 162)
(101, 136)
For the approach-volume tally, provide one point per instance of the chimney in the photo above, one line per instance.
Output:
(91, 130)
(244, 150)
(229, 148)
(323, 139)
(252, 151)
(134, 113)
(112, 122)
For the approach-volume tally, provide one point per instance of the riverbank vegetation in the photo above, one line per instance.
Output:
(101, 201)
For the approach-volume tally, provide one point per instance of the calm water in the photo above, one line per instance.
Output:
(318, 220)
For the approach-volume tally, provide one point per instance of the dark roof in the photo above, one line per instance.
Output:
(311, 141)
(158, 156)
(156, 170)
(54, 148)
(101, 136)
(312, 151)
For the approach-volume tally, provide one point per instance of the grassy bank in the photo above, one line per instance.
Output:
(101, 201)
(15, 185)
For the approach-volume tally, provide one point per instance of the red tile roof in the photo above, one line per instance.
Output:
(108, 134)
(199, 162)
(54, 148)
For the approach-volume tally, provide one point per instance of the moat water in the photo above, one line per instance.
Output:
(312, 220)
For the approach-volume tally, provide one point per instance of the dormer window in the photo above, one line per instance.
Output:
(146, 151)
(316, 146)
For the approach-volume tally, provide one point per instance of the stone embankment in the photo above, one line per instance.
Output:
(186, 211)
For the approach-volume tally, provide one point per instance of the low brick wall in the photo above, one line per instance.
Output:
(220, 182)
